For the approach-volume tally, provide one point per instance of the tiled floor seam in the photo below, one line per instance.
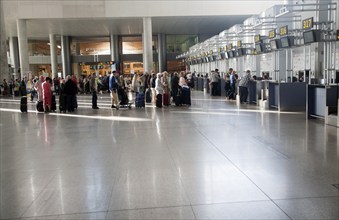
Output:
(44, 188)
(224, 155)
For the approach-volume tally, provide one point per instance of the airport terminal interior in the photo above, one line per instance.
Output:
(272, 155)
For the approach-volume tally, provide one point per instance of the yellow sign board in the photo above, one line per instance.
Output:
(272, 34)
(308, 23)
(283, 31)
(257, 38)
(239, 44)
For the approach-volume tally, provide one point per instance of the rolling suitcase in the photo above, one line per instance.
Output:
(158, 102)
(177, 98)
(62, 103)
(148, 96)
(186, 96)
(166, 99)
(23, 104)
(53, 104)
(140, 100)
(40, 106)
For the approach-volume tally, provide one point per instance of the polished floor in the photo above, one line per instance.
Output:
(214, 160)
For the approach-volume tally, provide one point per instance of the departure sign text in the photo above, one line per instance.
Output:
(272, 34)
(239, 44)
(308, 23)
(283, 31)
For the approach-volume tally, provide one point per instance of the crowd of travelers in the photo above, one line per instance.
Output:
(159, 89)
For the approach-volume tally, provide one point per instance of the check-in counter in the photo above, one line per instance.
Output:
(322, 102)
(252, 92)
(287, 96)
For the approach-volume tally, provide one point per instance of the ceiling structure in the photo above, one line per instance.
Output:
(205, 25)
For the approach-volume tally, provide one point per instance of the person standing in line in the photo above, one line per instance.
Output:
(70, 90)
(153, 78)
(243, 86)
(231, 95)
(47, 94)
(113, 87)
(94, 90)
(175, 86)
(38, 88)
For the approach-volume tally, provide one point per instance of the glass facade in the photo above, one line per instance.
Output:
(90, 46)
(180, 43)
(41, 48)
(133, 44)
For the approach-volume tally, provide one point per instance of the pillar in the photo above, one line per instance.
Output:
(4, 70)
(14, 55)
(147, 45)
(162, 52)
(114, 47)
(54, 55)
(23, 47)
(65, 56)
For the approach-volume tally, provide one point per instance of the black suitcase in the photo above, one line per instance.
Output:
(62, 103)
(140, 100)
(40, 106)
(53, 104)
(159, 101)
(23, 104)
(177, 98)
(186, 96)
(148, 96)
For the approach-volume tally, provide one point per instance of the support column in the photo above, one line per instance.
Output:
(23, 47)
(4, 70)
(114, 47)
(54, 55)
(162, 52)
(14, 55)
(65, 55)
(147, 45)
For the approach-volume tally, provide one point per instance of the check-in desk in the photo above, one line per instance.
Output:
(287, 96)
(322, 102)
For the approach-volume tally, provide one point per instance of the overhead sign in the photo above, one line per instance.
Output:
(257, 38)
(308, 23)
(239, 44)
(272, 34)
(338, 35)
(283, 31)
(229, 47)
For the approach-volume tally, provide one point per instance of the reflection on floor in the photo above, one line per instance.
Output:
(213, 160)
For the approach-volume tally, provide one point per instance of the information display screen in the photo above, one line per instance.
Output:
(312, 36)
(259, 48)
(309, 37)
(274, 45)
(230, 54)
(287, 42)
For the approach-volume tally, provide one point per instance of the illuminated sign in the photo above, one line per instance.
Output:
(239, 44)
(229, 47)
(257, 38)
(308, 23)
(211, 52)
(272, 34)
(338, 35)
(283, 31)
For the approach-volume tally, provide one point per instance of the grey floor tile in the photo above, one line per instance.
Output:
(311, 208)
(184, 212)
(245, 210)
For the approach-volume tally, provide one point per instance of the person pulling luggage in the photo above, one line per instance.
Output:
(113, 87)
(94, 90)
